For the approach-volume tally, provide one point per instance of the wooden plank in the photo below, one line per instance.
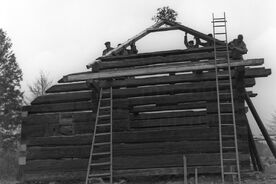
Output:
(142, 91)
(157, 135)
(142, 149)
(163, 29)
(134, 38)
(55, 129)
(194, 32)
(201, 105)
(63, 97)
(182, 67)
(125, 103)
(173, 99)
(154, 60)
(132, 82)
(161, 53)
(129, 173)
(158, 115)
(53, 118)
(59, 107)
(211, 120)
(81, 86)
(135, 162)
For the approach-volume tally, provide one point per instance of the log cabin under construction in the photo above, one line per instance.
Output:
(161, 111)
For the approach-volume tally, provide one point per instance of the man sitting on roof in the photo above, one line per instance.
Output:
(108, 48)
(190, 44)
(238, 48)
(208, 43)
(124, 51)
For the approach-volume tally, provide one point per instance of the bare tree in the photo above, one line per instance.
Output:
(40, 86)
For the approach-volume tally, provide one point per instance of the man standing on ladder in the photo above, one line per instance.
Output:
(238, 48)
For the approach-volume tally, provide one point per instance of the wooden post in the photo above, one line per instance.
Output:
(256, 157)
(196, 176)
(185, 170)
(260, 124)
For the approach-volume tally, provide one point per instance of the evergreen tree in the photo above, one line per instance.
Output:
(165, 13)
(10, 95)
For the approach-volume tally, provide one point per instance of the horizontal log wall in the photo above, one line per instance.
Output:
(157, 119)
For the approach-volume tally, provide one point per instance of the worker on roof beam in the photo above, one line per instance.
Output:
(208, 43)
(108, 48)
(191, 44)
(238, 48)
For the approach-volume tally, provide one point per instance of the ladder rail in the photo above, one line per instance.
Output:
(233, 107)
(92, 166)
(223, 173)
(218, 101)
(111, 136)
(93, 140)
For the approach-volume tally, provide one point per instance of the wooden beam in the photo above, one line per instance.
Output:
(138, 92)
(131, 174)
(164, 29)
(134, 162)
(157, 70)
(260, 124)
(194, 32)
(134, 62)
(141, 149)
(133, 82)
(146, 136)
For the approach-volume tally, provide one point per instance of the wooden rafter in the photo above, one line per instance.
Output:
(156, 28)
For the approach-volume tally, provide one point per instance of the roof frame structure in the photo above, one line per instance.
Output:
(156, 28)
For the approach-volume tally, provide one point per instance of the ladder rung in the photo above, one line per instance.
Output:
(219, 18)
(220, 26)
(228, 147)
(223, 75)
(102, 134)
(224, 83)
(219, 21)
(106, 99)
(229, 159)
(100, 163)
(231, 136)
(226, 114)
(225, 103)
(227, 124)
(99, 174)
(101, 143)
(105, 124)
(103, 116)
(101, 153)
(220, 33)
(230, 173)
(105, 107)
(225, 93)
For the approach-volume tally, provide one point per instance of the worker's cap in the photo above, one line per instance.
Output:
(107, 43)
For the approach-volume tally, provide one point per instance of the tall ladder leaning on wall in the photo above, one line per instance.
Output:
(100, 166)
(229, 164)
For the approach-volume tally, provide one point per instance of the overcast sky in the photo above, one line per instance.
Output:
(62, 36)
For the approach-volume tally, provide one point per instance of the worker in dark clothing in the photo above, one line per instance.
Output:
(133, 49)
(108, 48)
(208, 43)
(123, 51)
(190, 44)
(238, 48)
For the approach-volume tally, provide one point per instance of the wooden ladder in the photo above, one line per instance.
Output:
(100, 167)
(229, 164)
